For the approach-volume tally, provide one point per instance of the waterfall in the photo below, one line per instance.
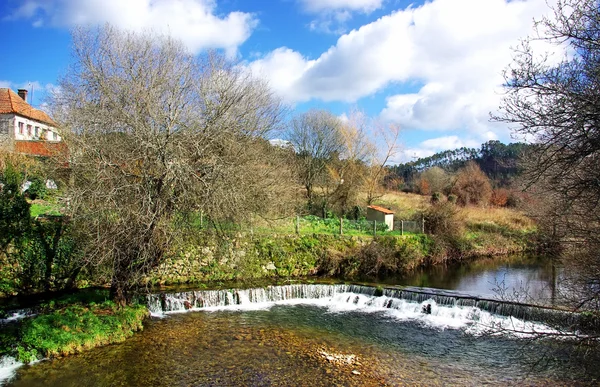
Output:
(522, 311)
(441, 308)
(202, 299)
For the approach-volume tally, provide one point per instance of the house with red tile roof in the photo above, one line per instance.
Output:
(381, 215)
(25, 129)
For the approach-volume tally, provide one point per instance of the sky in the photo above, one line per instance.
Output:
(432, 67)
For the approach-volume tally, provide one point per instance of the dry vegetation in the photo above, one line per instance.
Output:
(407, 205)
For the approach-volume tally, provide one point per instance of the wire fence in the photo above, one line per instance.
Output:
(410, 226)
(310, 224)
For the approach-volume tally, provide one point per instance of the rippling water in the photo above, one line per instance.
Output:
(289, 345)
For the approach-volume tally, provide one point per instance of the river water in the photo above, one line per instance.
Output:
(328, 335)
(522, 278)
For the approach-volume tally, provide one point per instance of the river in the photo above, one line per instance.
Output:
(327, 335)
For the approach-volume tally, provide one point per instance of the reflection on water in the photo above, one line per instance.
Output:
(517, 278)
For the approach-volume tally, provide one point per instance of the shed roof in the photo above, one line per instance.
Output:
(11, 103)
(381, 209)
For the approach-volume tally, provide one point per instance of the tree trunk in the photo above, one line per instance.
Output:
(118, 293)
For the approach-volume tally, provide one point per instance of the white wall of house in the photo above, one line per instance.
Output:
(380, 217)
(25, 129)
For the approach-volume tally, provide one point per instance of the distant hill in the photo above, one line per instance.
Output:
(499, 161)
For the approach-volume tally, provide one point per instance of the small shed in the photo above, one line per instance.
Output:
(381, 215)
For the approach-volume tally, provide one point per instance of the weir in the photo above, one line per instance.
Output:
(412, 300)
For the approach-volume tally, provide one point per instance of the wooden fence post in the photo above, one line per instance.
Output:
(297, 224)
(374, 228)
(422, 224)
(402, 227)
(341, 226)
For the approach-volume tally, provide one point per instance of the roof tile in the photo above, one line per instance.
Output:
(11, 103)
(381, 209)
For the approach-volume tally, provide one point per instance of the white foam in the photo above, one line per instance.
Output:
(473, 320)
(17, 315)
(8, 367)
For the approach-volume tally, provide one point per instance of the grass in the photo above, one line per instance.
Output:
(501, 217)
(71, 324)
(407, 205)
(44, 208)
(76, 328)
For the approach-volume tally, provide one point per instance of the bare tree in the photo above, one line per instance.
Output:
(437, 178)
(317, 139)
(155, 133)
(557, 104)
(388, 136)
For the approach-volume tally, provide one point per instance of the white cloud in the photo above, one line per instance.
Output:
(333, 14)
(283, 68)
(37, 92)
(316, 6)
(192, 21)
(455, 49)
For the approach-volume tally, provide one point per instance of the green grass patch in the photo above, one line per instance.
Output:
(45, 208)
(72, 329)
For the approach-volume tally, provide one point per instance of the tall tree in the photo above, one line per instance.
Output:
(557, 104)
(317, 139)
(388, 136)
(156, 133)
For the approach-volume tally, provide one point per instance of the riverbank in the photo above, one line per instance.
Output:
(244, 256)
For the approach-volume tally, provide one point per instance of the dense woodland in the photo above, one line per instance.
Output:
(500, 162)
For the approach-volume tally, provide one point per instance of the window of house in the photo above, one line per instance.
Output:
(54, 136)
(21, 128)
(29, 130)
(37, 131)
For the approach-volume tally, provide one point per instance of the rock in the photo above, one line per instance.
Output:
(355, 372)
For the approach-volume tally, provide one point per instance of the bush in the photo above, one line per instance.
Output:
(500, 197)
(443, 219)
(472, 186)
(436, 197)
(37, 189)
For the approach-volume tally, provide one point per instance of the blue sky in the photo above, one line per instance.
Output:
(434, 68)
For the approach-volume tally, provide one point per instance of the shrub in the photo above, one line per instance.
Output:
(499, 197)
(436, 197)
(423, 186)
(472, 186)
(37, 189)
(443, 218)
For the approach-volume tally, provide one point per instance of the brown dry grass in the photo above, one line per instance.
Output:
(506, 217)
(404, 204)
(407, 205)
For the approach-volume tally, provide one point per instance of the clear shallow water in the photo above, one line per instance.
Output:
(299, 342)
(295, 342)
